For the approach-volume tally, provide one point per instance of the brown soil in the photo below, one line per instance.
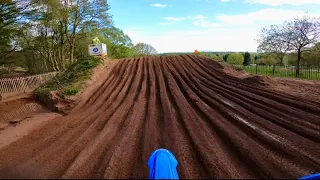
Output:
(309, 89)
(16, 111)
(217, 125)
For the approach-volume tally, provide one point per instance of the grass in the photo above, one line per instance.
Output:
(69, 82)
(282, 71)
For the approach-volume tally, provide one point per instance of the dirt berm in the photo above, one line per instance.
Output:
(217, 126)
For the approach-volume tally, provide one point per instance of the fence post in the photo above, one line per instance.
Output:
(256, 68)
(274, 66)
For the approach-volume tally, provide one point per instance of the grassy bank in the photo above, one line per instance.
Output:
(69, 82)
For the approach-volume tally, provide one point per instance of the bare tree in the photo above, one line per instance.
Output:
(297, 35)
(270, 42)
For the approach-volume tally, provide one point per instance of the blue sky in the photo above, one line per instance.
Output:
(206, 25)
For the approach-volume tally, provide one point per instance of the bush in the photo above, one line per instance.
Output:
(215, 57)
(268, 61)
(235, 58)
(3, 71)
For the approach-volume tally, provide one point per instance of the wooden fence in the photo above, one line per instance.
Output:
(21, 84)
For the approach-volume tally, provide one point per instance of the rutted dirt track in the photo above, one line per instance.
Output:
(217, 126)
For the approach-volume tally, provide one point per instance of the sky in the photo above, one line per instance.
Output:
(205, 25)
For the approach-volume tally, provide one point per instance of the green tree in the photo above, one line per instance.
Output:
(84, 14)
(119, 45)
(58, 31)
(247, 58)
(225, 57)
(235, 58)
(215, 57)
(268, 59)
(8, 17)
(143, 49)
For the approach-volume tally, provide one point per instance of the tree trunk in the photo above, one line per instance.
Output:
(273, 69)
(281, 60)
(298, 63)
(72, 51)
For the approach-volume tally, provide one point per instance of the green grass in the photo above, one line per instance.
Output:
(281, 71)
(69, 82)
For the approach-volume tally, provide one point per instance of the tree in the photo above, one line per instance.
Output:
(59, 30)
(311, 57)
(84, 14)
(270, 42)
(235, 58)
(119, 45)
(293, 36)
(268, 59)
(225, 57)
(247, 58)
(221, 56)
(215, 57)
(142, 49)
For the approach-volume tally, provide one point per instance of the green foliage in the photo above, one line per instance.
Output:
(247, 58)
(215, 57)
(290, 59)
(69, 82)
(221, 56)
(235, 58)
(49, 34)
(8, 18)
(268, 59)
(3, 71)
(143, 49)
(225, 57)
(73, 89)
(119, 45)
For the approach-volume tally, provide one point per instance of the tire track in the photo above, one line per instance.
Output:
(216, 125)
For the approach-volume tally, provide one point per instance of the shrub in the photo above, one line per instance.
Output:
(70, 81)
(235, 58)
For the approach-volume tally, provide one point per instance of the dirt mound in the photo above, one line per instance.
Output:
(309, 89)
(230, 70)
(217, 125)
(65, 103)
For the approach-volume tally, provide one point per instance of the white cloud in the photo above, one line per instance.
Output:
(281, 2)
(187, 41)
(264, 15)
(225, 0)
(158, 5)
(171, 20)
(220, 33)
(199, 17)
(174, 19)
(200, 21)
(166, 23)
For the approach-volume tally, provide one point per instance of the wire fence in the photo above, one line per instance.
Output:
(21, 84)
(306, 72)
(23, 110)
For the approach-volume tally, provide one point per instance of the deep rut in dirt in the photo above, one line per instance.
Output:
(217, 126)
